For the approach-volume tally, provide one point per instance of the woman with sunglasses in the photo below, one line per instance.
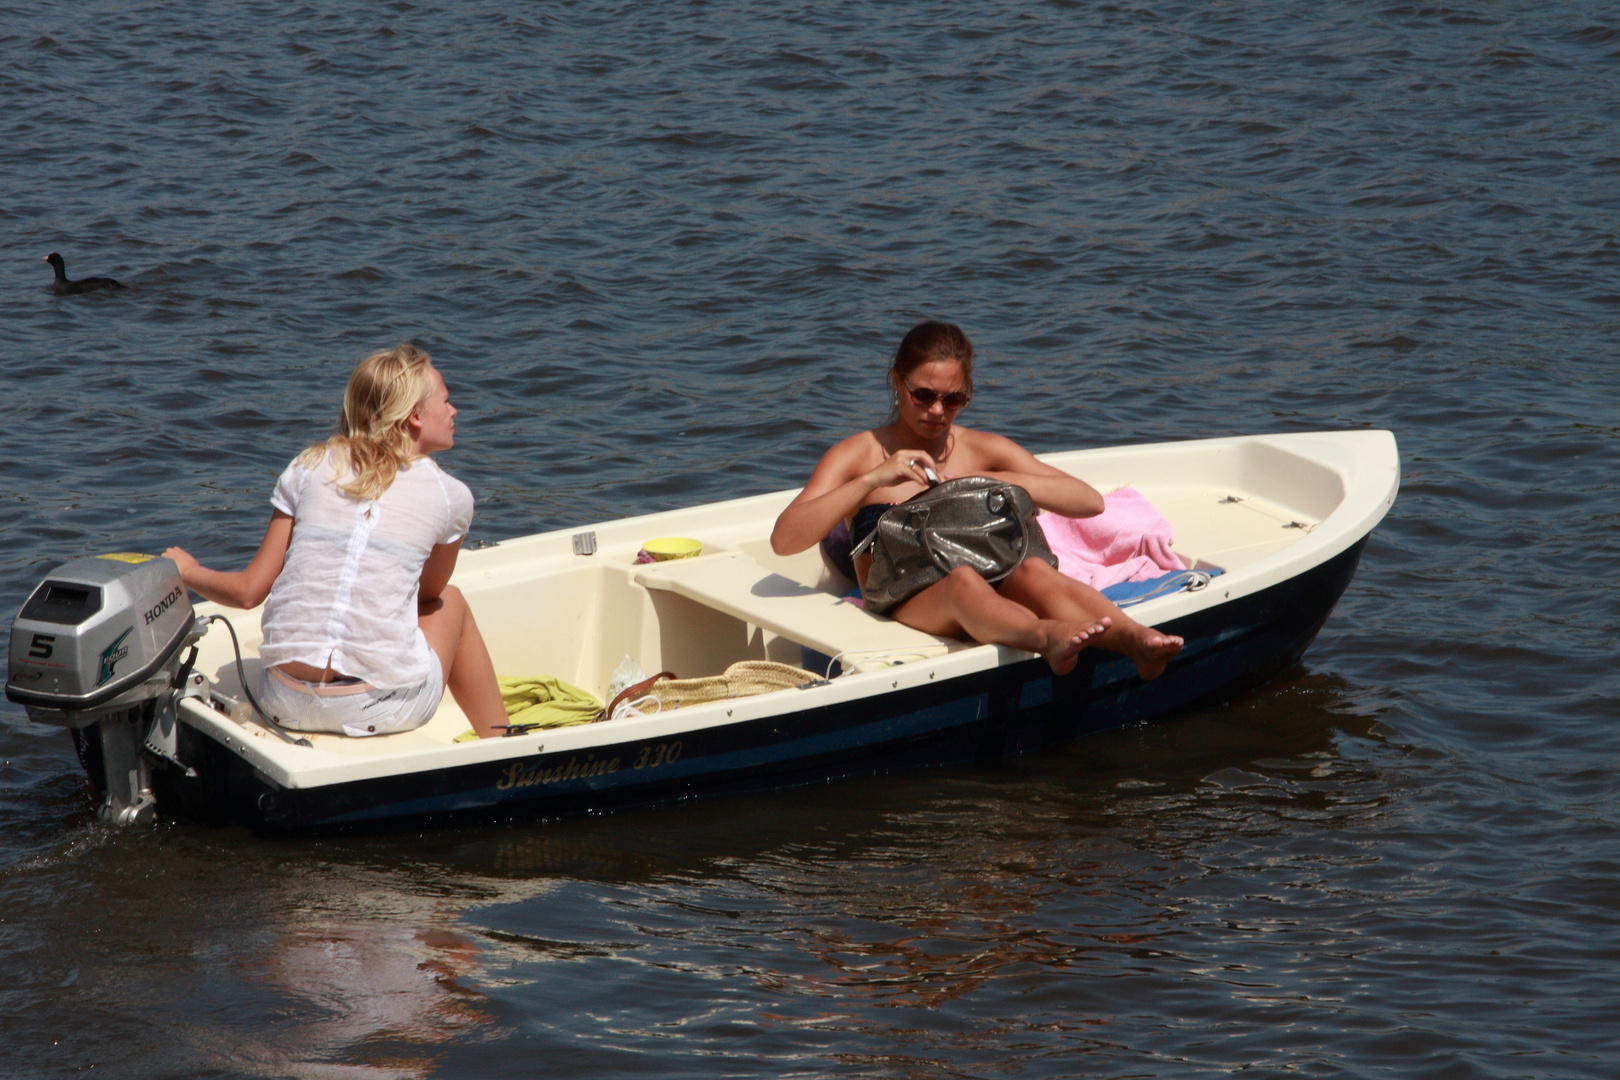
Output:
(1033, 608)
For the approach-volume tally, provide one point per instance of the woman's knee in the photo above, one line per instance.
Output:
(964, 581)
(1024, 582)
(449, 599)
(1035, 584)
(1026, 572)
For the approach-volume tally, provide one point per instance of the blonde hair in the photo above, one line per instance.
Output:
(374, 439)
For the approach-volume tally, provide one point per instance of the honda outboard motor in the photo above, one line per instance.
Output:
(98, 649)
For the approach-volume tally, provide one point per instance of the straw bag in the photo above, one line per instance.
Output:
(743, 679)
(973, 521)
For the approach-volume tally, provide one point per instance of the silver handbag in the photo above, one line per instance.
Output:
(973, 521)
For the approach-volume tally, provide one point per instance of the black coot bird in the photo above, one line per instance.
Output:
(64, 287)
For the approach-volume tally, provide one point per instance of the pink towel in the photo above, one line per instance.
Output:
(1128, 541)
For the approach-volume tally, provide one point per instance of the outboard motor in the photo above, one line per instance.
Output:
(98, 649)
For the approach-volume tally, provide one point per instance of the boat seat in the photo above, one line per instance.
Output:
(737, 585)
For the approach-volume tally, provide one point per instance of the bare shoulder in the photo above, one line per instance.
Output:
(854, 455)
(992, 451)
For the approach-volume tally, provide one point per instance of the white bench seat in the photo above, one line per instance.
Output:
(738, 586)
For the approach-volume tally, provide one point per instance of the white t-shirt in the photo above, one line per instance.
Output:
(347, 592)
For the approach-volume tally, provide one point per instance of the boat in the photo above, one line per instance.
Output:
(151, 687)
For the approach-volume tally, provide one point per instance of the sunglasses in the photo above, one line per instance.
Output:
(924, 398)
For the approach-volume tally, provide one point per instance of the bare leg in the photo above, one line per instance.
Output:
(469, 674)
(1052, 595)
(965, 603)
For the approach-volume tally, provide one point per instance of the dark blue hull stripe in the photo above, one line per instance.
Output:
(922, 722)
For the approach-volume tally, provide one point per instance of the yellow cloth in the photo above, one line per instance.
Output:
(548, 702)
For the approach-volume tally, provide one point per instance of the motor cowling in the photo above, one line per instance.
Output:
(99, 635)
(100, 642)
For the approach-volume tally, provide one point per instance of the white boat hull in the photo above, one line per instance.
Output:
(1285, 517)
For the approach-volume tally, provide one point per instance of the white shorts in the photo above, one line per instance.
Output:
(356, 708)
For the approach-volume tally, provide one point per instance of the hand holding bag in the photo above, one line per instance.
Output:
(973, 521)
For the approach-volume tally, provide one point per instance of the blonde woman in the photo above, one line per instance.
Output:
(362, 630)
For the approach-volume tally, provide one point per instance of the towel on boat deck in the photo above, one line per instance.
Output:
(547, 701)
(1128, 541)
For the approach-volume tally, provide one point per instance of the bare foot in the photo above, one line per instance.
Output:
(1148, 649)
(1064, 640)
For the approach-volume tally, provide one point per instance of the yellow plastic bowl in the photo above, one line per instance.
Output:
(673, 547)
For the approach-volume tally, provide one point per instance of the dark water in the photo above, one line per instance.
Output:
(661, 252)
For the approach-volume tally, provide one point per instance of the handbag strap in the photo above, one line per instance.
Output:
(635, 690)
(918, 504)
(871, 538)
(1006, 492)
